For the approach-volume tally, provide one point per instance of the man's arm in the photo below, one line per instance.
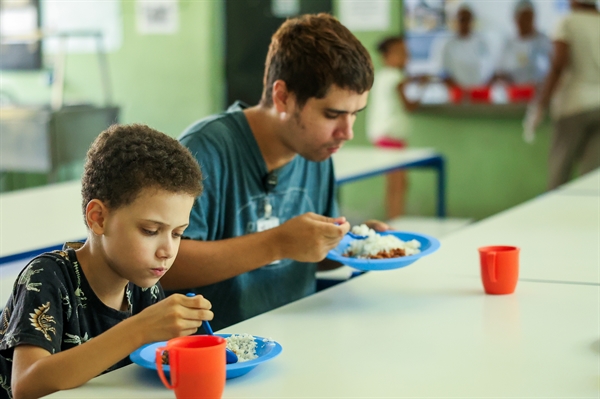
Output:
(305, 238)
(560, 60)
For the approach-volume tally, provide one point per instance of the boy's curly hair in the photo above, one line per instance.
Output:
(124, 159)
(313, 52)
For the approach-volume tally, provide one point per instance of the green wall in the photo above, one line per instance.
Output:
(168, 81)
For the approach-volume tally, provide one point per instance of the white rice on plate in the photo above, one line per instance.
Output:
(375, 244)
(243, 345)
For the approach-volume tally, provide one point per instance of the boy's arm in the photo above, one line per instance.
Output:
(36, 372)
(305, 238)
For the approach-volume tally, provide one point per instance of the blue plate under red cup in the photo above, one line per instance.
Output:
(265, 350)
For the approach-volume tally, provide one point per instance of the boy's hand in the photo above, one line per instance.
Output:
(308, 237)
(174, 316)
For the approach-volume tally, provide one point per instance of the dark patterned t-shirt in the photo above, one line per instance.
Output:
(52, 306)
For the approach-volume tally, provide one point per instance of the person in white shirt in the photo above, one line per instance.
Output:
(387, 120)
(464, 56)
(525, 58)
(573, 86)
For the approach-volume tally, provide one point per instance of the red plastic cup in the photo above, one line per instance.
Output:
(521, 93)
(499, 269)
(480, 94)
(197, 364)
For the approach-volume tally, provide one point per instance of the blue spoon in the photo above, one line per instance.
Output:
(230, 355)
(355, 236)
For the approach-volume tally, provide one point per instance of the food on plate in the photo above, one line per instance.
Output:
(377, 246)
(243, 345)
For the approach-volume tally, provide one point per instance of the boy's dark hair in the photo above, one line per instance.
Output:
(124, 159)
(384, 46)
(312, 52)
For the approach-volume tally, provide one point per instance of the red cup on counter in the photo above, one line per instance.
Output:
(480, 94)
(521, 93)
(499, 268)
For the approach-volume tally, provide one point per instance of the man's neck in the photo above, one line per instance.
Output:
(265, 124)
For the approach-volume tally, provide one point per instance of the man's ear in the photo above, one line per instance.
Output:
(283, 100)
(95, 216)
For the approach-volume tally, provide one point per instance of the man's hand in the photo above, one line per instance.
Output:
(377, 225)
(308, 237)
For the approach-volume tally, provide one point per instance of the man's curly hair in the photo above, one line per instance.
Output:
(125, 159)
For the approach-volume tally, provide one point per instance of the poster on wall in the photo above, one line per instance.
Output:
(365, 15)
(64, 17)
(157, 17)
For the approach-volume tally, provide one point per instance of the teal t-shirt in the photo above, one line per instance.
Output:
(233, 200)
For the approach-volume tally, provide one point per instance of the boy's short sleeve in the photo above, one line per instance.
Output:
(34, 313)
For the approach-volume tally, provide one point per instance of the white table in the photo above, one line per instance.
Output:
(588, 184)
(559, 237)
(354, 163)
(412, 333)
(38, 219)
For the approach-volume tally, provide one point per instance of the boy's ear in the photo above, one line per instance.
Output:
(95, 215)
(282, 98)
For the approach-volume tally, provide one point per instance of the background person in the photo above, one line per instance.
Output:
(387, 120)
(573, 85)
(270, 215)
(466, 54)
(76, 313)
(525, 58)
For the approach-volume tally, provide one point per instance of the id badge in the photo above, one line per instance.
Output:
(266, 224)
(263, 224)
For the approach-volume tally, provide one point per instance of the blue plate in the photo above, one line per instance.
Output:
(428, 246)
(145, 356)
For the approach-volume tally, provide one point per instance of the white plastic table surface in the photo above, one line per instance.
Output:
(412, 333)
(559, 237)
(352, 162)
(588, 184)
(40, 217)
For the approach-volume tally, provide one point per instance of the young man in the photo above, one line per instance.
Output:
(76, 313)
(270, 213)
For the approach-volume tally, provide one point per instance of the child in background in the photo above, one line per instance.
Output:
(387, 120)
(138, 188)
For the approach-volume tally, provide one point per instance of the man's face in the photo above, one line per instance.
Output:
(320, 128)
(525, 21)
(465, 19)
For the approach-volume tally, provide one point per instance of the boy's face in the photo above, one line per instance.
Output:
(140, 240)
(320, 128)
(396, 55)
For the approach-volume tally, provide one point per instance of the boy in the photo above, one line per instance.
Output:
(269, 218)
(387, 120)
(138, 188)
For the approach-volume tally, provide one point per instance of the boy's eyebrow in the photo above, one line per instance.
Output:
(341, 112)
(163, 224)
